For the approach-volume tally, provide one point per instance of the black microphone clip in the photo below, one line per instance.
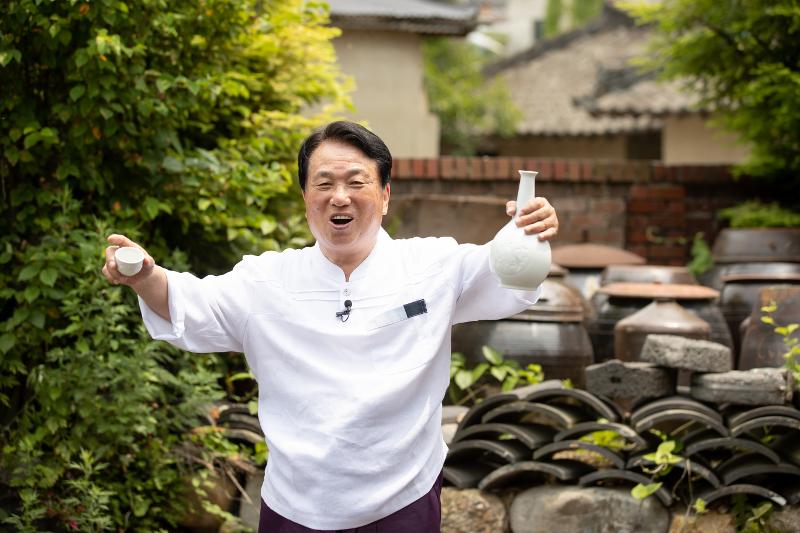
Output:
(344, 315)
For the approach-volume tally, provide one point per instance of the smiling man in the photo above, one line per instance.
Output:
(349, 341)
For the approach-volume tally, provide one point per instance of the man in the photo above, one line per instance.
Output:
(349, 341)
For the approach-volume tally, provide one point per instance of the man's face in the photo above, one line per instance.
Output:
(344, 201)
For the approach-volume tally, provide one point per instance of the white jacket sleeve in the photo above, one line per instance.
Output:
(207, 315)
(481, 296)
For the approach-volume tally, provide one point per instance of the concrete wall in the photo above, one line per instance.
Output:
(389, 95)
(689, 140)
(646, 207)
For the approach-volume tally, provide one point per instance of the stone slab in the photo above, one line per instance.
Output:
(565, 509)
(472, 511)
(759, 386)
(697, 355)
(629, 380)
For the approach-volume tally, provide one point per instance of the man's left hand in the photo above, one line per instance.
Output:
(537, 216)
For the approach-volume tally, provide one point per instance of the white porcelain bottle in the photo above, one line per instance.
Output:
(518, 260)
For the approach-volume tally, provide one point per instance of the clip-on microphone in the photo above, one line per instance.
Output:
(344, 315)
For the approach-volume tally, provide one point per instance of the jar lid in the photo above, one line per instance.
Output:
(594, 256)
(677, 291)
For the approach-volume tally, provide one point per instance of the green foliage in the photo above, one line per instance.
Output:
(702, 260)
(562, 16)
(755, 214)
(663, 458)
(470, 385)
(177, 124)
(749, 518)
(468, 105)
(743, 60)
(791, 339)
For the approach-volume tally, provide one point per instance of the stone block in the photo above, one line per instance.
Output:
(472, 511)
(629, 380)
(759, 386)
(696, 355)
(448, 432)
(564, 509)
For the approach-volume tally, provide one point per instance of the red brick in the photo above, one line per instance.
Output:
(418, 168)
(660, 172)
(587, 171)
(607, 206)
(638, 249)
(560, 169)
(476, 168)
(401, 168)
(463, 167)
(636, 235)
(574, 170)
(645, 206)
(531, 163)
(666, 251)
(504, 170)
(546, 169)
(619, 172)
(517, 163)
(489, 167)
(448, 167)
(657, 192)
(432, 168)
(612, 237)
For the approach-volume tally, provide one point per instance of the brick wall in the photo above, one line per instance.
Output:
(646, 207)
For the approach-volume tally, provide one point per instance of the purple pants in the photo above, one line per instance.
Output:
(421, 516)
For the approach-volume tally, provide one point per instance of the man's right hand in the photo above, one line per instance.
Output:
(110, 268)
(150, 283)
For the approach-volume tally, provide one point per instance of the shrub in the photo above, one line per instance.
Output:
(175, 123)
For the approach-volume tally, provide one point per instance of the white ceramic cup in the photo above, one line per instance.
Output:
(129, 260)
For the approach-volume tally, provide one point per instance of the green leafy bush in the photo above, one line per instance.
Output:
(742, 60)
(755, 214)
(471, 385)
(177, 124)
(468, 105)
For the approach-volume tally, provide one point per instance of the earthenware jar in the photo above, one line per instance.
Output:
(520, 261)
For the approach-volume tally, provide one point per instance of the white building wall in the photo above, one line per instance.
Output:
(390, 95)
(689, 140)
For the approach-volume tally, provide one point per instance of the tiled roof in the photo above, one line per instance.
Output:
(645, 97)
(547, 81)
(413, 16)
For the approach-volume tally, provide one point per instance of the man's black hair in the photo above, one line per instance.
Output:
(350, 133)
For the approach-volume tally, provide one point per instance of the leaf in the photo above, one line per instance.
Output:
(666, 447)
(499, 373)
(76, 92)
(203, 204)
(32, 140)
(510, 383)
(31, 293)
(150, 207)
(28, 272)
(478, 371)
(7, 341)
(767, 320)
(48, 276)
(162, 84)
(492, 355)
(37, 318)
(640, 491)
(699, 506)
(171, 164)
(463, 379)
(791, 328)
(268, 225)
